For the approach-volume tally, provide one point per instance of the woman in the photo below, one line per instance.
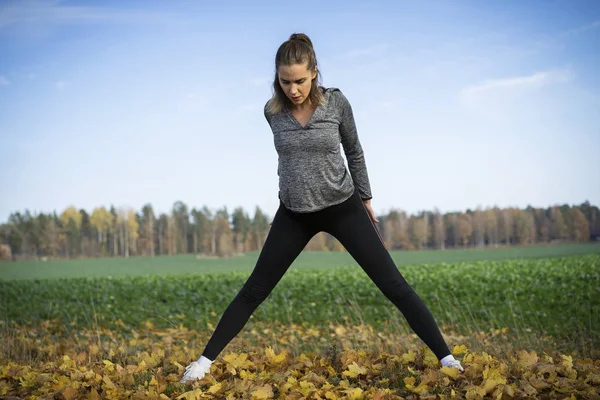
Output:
(316, 193)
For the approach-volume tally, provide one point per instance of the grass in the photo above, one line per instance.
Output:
(557, 296)
(189, 264)
(157, 310)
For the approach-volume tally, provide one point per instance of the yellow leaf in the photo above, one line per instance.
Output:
(142, 366)
(245, 374)
(331, 396)
(458, 350)
(430, 359)
(306, 388)
(451, 372)
(70, 394)
(273, 358)
(475, 393)
(340, 331)
(180, 368)
(408, 357)
(238, 361)
(354, 393)
(409, 381)
(526, 360)
(493, 373)
(195, 394)
(567, 361)
(354, 370)
(263, 392)
(216, 388)
(109, 365)
(593, 378)
(107, 382)
(94, 394)
(28, 379)
(509, 390)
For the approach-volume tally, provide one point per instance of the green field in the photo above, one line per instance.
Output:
(535, 292)
(189, 264)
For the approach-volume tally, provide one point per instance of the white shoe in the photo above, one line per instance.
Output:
(455, 364)
(194, 371)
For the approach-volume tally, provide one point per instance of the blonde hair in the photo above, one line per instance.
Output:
(298, 49)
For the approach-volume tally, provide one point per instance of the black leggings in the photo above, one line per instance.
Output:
(350, 223)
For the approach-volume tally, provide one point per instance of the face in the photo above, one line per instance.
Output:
(296, 80)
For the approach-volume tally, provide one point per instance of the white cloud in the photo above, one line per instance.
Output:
(61, 84)
(4, 80)
(36, 12)
(512, 85)
(582, 28)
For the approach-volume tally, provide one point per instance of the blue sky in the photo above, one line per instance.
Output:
(458, 104)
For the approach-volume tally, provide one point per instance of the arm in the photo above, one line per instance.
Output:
(353, 149)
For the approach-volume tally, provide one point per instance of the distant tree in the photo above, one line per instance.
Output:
(478, 228)
(418, 231)
(71, 230)
(490, 224)
(241, 228)
(439, 231)
(558, 227)
(581, 227)
(260, 228)
(101, 221)
(464, 229)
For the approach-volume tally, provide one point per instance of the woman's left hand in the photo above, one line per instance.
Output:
(367, 204)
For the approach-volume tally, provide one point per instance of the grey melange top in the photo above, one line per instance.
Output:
(312, 173)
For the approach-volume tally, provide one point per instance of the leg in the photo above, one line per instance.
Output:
(352, 226)
(287, 238)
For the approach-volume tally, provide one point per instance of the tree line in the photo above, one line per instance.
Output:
(124, 232)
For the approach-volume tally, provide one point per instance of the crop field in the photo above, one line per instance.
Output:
(524, 322)
(190, 264)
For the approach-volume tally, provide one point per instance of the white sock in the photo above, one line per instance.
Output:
(205, 362)
(446, 360)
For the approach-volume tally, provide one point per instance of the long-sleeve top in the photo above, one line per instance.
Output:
(311, 170)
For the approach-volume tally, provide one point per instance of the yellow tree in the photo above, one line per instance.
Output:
(491, 226)
(418, 231)
(223, 233)
(558, 227)
(505, 226)
(439, 231)
(70, 233)
(333, 244)
(132, 230)
(146, 239)
(524, 227)
(464, 229)
(581, 226)
(101, 220)
(51, 235)
(171, 236)
(478, 222)
(128, 230)
(395, 231)
(317, 243)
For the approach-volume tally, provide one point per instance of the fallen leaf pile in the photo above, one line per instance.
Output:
(273, 361)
